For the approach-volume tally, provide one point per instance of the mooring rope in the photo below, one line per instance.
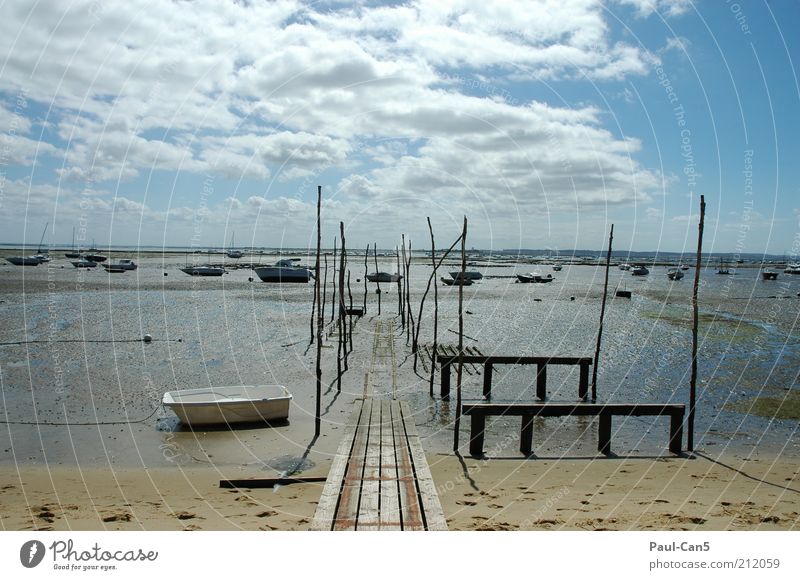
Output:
(90, 424)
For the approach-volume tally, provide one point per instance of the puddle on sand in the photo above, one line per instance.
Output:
(290, 464)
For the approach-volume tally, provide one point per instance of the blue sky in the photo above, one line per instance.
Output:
(542, 122)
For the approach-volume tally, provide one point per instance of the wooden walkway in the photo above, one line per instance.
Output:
(379, 479)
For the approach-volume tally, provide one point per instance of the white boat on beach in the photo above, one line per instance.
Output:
(639, 270)
(792, 269)
(625, 267)
(284, 271)
(227, 405)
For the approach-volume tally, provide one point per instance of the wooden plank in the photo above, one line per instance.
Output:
(347, 510)
(268, 482)
(410, 509)
(369, 503)
(326, 508)
(517, 360)
(432, 509)
(562, 409)
(390, 493)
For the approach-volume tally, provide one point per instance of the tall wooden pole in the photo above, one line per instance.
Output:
(349, 319)
(409, 311)
(400, 310)
(314, 302)
(435, 354)
(366, 271)
(602, 316)
(460, 372)
(324, 287)
(340, 319)
(320, 318)
(695, 318)
(375, 254)
(333, 299)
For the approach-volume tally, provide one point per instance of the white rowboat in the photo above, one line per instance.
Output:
(226, 405)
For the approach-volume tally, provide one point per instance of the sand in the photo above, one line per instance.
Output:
(701, 493)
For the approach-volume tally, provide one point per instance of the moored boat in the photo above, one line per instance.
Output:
(457, 281)
(769, 275)
(534, 278)
(284, 271)
(204, 270)
(639, 270)
(469, 275)
(84, 264)
(674, 273)
(124, 265)
(792, 269)
(230, 404)
(24, 260)
(384, 277)
(625, 267)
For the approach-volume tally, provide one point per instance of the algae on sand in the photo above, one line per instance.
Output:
(787, 407)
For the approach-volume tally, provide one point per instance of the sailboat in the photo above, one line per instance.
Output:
(232, 252)
(73, 253)
(35, 260)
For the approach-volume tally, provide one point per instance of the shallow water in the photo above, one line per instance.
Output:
(211, 331)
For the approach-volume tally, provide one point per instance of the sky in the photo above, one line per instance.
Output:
(210, 123)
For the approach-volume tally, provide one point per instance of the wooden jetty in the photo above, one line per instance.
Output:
(379, 478)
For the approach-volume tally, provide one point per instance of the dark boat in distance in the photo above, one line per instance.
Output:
(534, 278)
(384, 277)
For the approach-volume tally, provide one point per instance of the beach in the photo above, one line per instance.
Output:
(87, 445)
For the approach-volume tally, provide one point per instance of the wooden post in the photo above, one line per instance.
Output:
(460, 373)
(366, 271)
(333, 299)
(320, 317)
(314, 302)
(487, 381)
(349, 318)
(444, 390)
(400, 310)
(602, 315)
(375, 254)
(435, 308)
(342, 334)
(604, 434)
(325, 288)
(695, 318)
(541, 381)
(477, 431)
(409, 311)
(583, 381)
(526, 435)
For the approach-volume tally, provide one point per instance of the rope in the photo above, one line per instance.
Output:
(44, 424)
(21, 342)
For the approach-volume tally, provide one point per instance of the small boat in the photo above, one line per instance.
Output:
(639, 270)
(625, 267)
(723, 269)
(457, 281)
(232, 252)
(206, 270)
(73, 254)
(84, 264)
(623, 293)
(95, 257)
(24, 260)
(469, 275)
(384, 277)
(120, 266)
(792, 269)
(227, 405)
(535, 278)
(684, 267)
(557, 267)
(43, 257)
(284, 271)
(769, 275)
(674, 273)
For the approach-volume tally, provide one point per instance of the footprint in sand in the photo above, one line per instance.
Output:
(266, 514)
(186, 516)
(466, 502)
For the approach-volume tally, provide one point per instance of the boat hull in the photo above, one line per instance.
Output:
(467, 275)
(534, 278)
(24, 261)
(84, 264)
(384, 277)
(203, 271)
(230, 405)
(281, 275)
